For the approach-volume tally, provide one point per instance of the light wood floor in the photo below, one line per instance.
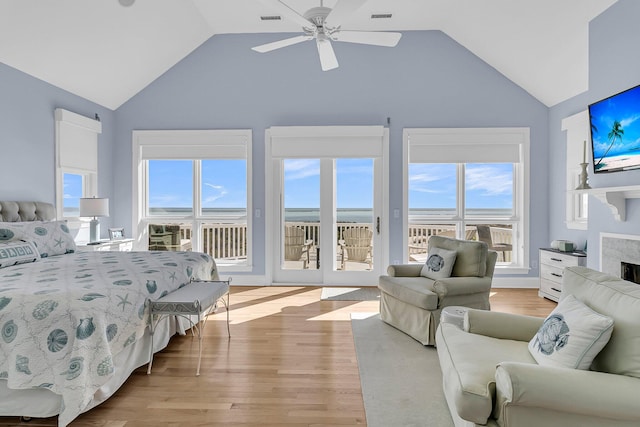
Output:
(290, 362)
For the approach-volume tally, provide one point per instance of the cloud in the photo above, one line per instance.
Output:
(424, 178)
(218, 192)
(69, 196)
(628, 121)
(301, 168)
(490, 180)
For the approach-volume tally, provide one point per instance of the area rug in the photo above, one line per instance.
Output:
(401, 378)
(350, 294)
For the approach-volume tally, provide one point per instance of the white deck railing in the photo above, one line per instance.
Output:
(229, 241)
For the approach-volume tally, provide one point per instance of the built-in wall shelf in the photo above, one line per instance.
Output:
(615, 197)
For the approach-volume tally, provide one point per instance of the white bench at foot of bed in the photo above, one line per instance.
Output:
(196, 298)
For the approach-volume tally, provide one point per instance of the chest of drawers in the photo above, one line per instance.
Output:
(552, 264)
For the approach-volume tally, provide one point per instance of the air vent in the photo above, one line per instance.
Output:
(381, 16)
(271, 18)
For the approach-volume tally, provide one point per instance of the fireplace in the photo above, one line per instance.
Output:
(620, 256)
(630, 271)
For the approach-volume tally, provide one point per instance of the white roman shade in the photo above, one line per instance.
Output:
(326, 142)
(78, 141)
(470, 145)
(192, 144)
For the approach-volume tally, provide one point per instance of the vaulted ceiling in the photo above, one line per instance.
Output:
(107, 53)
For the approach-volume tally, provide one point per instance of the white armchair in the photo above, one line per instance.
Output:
(491, 379)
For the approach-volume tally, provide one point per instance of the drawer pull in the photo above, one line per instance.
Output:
(557, 290)
(556, 259)
(556, 274)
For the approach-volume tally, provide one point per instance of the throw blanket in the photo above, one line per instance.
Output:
(64, 318)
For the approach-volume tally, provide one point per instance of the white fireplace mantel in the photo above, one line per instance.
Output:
(615, 197)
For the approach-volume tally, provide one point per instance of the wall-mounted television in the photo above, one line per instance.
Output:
(615, 132)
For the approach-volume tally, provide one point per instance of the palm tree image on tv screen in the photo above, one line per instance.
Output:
(615, 131)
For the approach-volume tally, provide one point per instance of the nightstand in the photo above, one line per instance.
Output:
(122, 245)
(552, 264)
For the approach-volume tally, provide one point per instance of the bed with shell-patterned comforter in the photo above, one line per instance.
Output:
(65, 319)
(72, 324)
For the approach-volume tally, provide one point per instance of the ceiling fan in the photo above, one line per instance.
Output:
(324, 25)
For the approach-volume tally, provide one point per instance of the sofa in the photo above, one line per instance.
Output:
(492, 377)
(412, 302)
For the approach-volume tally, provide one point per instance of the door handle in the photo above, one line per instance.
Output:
(378, 225)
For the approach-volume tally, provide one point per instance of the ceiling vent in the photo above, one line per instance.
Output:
(271, 18)
(381, 16)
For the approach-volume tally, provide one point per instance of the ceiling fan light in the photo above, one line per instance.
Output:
(126, 3)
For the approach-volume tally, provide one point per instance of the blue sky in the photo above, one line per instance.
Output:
(354, 183)
(433, 186)
(625, 108)
(224, 184)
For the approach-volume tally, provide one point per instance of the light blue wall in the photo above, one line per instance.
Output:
(428, 80)
(614, 65)
(27, 137)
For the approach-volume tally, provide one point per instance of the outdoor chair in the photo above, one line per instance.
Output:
(484, 235)
(164, 237)
(356, 245)
(296, 245)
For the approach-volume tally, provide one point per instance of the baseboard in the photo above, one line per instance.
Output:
(516, 282)
(498, 282)
(245, 279)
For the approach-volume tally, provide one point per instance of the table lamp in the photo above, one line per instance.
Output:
(94, 207)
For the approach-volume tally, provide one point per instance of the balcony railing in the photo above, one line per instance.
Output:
(229, 241)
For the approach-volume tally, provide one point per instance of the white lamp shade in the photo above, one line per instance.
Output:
(94, 207)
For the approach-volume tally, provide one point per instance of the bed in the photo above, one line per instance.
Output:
(74, 324)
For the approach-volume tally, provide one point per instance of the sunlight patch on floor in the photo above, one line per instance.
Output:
(267, 308)
(344, 313)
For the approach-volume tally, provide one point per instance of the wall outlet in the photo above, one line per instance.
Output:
(258, 213)
(534, 263)
(396, 261)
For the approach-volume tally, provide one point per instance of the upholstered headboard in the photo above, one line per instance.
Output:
(26, 211)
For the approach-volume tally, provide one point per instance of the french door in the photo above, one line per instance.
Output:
(327, 219)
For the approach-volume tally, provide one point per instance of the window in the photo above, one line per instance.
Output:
(469, 184)
(73, 188)
(577, 202)
(76, 161)
(193, 193)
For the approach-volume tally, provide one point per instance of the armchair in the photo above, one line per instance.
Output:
(490, 377)
(412, 303)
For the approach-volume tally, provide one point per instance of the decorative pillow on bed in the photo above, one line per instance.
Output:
(17, 252)
(571, 336)
(439, 264)
(50, 237)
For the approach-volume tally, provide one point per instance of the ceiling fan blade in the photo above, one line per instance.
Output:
(342, 10)
(281, 43)
(328, 59)
(377, 38)
(289, 13)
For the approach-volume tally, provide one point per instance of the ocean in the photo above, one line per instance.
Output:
(346, 215)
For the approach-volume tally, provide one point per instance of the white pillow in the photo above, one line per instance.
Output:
(439, 264)
(571, 336)
(50, 237)
(17, 252)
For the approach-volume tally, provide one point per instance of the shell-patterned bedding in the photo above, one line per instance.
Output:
(63, 319)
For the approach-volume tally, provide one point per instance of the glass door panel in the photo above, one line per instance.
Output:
(301, 214)
(354, 214)
(328, 221)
